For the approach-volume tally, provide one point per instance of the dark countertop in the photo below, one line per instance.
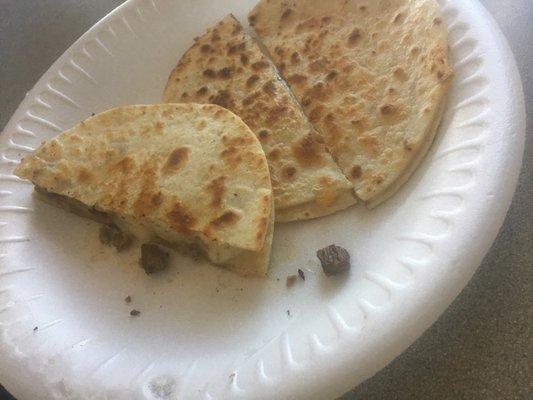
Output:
(479, 348)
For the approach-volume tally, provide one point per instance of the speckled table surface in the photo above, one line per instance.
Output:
(480, 348)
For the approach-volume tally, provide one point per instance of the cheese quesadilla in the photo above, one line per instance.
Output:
(190, 176)
(371, 75)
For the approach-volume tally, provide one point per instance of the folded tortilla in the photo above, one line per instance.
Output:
(371, 75)
(225, 66)
(191, 176)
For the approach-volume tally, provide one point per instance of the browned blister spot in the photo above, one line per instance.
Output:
(84, 175)
(295, 58)
(387, 109)
(223, 99)
(232, 156)
(260, 65)
(437, 21)
(316, 113)
(307, 150)
(354, 37)
(237, 48)
(237, 28)
(318, 92)
(226, 219)
(400, 74)
(286, 14)
(297, 79)
(176, 160)
(205, 48)
(263, 134)
(244, 59)
(126, 165)
(407, 145)
(269, 88)
(288, 172)
(370, 144)
(202, 91)
(332, 75)
(356, 172)
(180, 219)
(224, 73)
(159, 126)
(144, 205)
(209, 73)
(251, 81)
(274, 154)
(216, 189)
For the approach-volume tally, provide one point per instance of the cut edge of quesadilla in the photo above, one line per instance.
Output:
(110, 189)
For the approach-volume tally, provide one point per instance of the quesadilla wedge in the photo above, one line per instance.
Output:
(371, 75)
(190, 176)
(225, 66)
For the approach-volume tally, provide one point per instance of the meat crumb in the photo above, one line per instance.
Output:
(301, 274)
(334, 259)
(111, 235)
(153, 259)
(291, 280)
(135, 313)
(35, 328)
(128, 299)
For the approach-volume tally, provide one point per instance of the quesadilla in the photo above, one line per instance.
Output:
(371, 75)
(190, 176)
(226, 67)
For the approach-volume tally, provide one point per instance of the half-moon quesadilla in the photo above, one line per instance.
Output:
(190, 176)
(371, 75)
(226, 67)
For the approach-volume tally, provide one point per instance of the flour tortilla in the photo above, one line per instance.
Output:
(371, 75)
(225, 66)
(190, 175)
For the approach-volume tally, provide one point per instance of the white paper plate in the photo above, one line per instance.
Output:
(204, 333)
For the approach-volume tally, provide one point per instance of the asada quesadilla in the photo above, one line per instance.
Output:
(371, 76)
(226, 67)
(190, 176)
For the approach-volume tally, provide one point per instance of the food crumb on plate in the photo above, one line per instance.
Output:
(153, 259)
(301, 274)
(135, 313)
(128, 299)
(334, 259)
